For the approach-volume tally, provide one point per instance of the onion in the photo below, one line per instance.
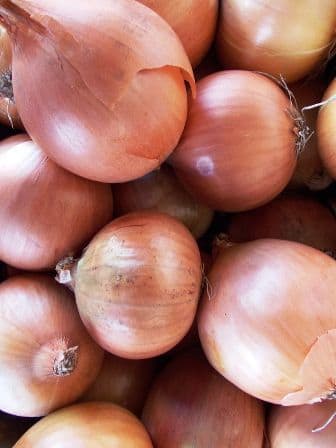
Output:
(12, 428)
(270, 326)
(123, 381)
(291, 427)
(193, 21)
(292, 217)
(84, 84)
(46, 212)
(47, 359)
(191, 405)
(161, 191)
(238, 148)
(276, 38)
(87, 425)
(137, 284)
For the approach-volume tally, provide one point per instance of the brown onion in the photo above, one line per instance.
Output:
(137, 284)
(326, 130)
(46, 212)
(270, 324)
(238, 150)
(190, 404)
(87, 425)
(47, 359)
(276, 37)
(160, 190)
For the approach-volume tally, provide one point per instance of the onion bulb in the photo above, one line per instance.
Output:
(270, 325)
(190, 404)
(276, 37)
(85, 83)
(160, 190)
(326, 130)
(137, 284)
(238, 150)
(87, 425)
(47, 359)
(46, 212)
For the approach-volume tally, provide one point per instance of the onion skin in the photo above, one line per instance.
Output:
(39, 321)
(238, 148)
(137, 284)
(112, 76)
(46, 212)
(281, 294)
(292, 426)
(326, 131)
(161, 191)
(189, 392)
(87, 425)
(275, 38)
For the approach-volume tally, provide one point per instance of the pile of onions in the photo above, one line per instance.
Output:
(270, 324)
(46, 212)
(292, 427)
(84, 84)
(12, 428)
(190, 404)
(161, 191)
(137, 284)
(276, 37)
(87, 425)
(47, 359)
(193, 21)
(326, 130)
(238, 150)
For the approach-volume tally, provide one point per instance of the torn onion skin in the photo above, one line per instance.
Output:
(276, 37)
(87, 425)
(282, 294)
(102, 86)
(326, 130)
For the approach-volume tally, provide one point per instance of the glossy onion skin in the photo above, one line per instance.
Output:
(326, 131)
(137, 284)
(190, 404)
(275, 37)
(269, 327)
(46, 212)
(238, 148)
(34, 312)
(87, 425)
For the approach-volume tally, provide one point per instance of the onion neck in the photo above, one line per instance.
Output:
(66, 270)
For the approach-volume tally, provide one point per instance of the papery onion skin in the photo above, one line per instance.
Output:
(39, 322)
(190, 404)
(137, 284)
(238, 148)
(160, 190)
(291, 427)
(46, 212)
(275, 38)
(101, 86)
(193, 21)
(270, 325)
(87, 425)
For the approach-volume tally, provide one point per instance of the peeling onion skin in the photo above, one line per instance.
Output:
(326, 131)
(87, 425)
(190, 404)
(291, 427)
(46, 212)
(38, 320)
(238, 149)
(282, 294)
(275, 38)
(102, 85)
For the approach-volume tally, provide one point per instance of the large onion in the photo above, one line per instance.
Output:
(270, 324)
(46, 212)
(84, 84)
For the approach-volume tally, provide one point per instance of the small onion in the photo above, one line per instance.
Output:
(276, 37)
(47, 359)
(46, 212)
(160, 190)
(270, 324)
(87, 425)
(326, 130)
(137, 284)
(190, 404)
